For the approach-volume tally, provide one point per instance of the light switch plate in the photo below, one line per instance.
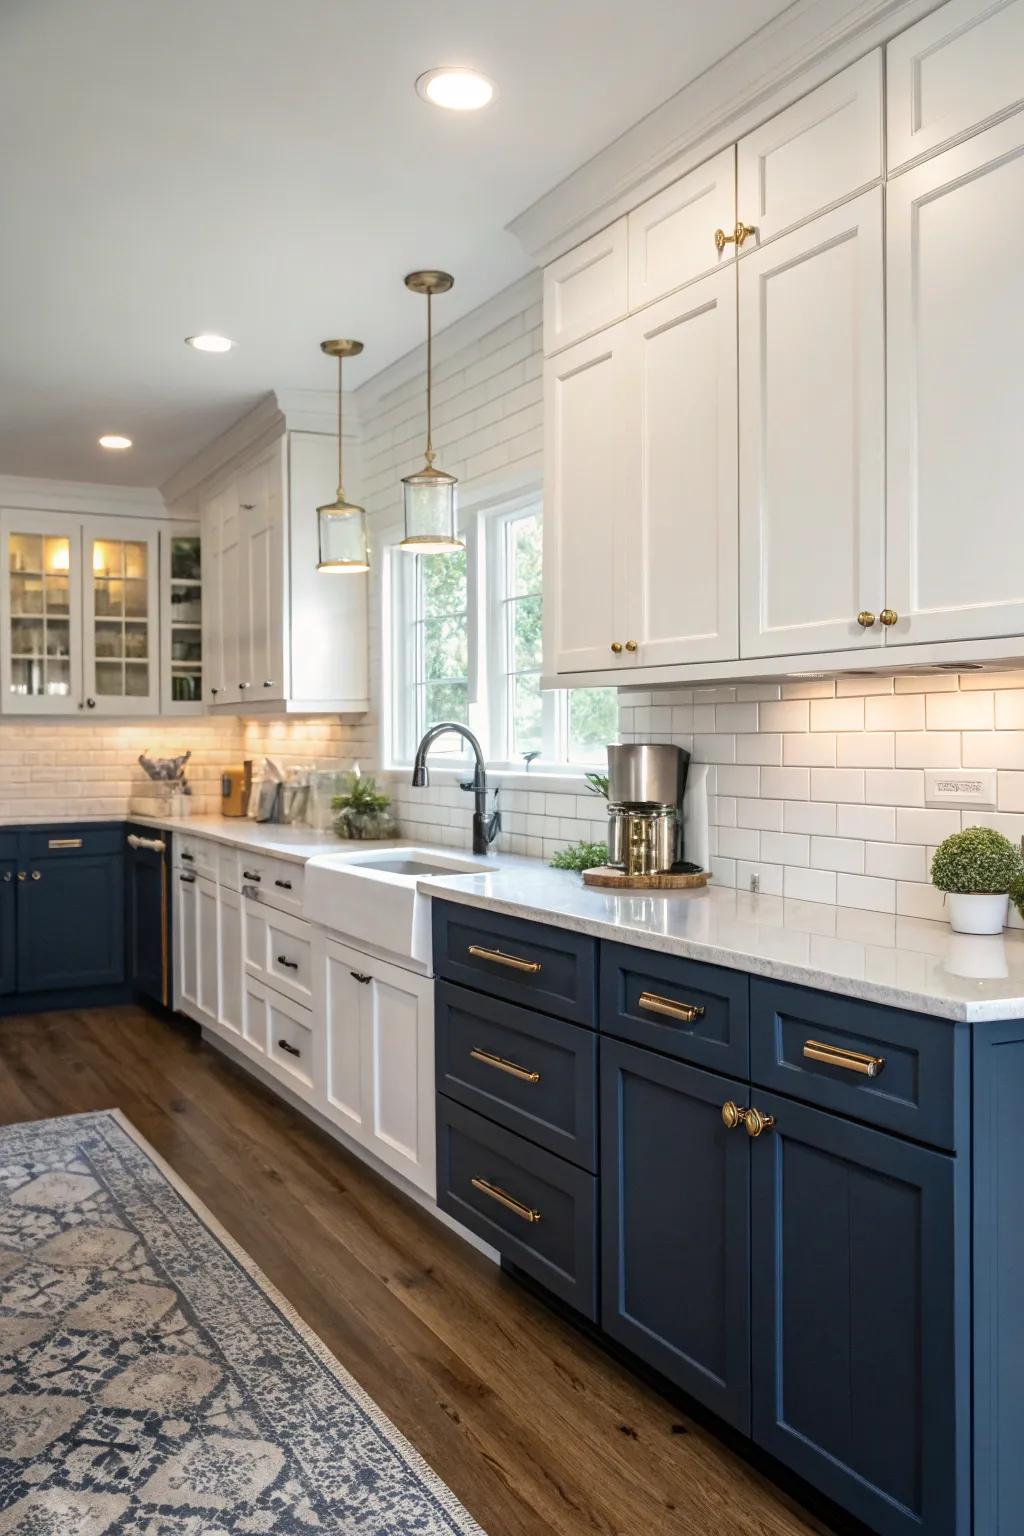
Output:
(973, 787)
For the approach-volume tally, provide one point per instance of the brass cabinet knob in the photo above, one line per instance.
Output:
(732, 1115)
(865, 619)
(616, 648)
(8, 877)
(22, 875)
(737, 237)
(889, 617)
(756, 1122)
(631, 645)
(37, 874)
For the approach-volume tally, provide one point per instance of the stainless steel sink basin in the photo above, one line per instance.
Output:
(417, 869)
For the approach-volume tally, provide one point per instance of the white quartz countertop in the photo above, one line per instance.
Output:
(900, 962)
(282, 841)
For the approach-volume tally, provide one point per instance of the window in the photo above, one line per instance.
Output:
(487, 674)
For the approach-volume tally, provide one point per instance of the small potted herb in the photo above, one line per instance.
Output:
(978, 869)
(363, 811)
(580, 856)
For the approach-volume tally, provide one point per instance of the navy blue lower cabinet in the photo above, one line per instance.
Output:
(860, 1317)
(531, 964)
(534, 1208)
(70, 922)
(147, 918)
(675, 1203)
(685, 1008)
(8, 952)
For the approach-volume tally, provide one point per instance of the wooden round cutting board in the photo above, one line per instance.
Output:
(616, 879)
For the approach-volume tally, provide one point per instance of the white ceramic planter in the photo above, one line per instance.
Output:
(977, 914)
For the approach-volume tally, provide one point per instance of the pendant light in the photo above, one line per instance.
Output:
(431, 513)
(341, 524)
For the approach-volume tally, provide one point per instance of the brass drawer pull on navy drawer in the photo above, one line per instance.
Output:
(532, 967)
(508, 1201)
(687, 1012)
(490, 1060)
(838, 1056)
(64, 842)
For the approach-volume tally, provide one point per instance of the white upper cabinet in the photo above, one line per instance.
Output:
(672, 235)
(955, 233)
(278, 632)
(590, 448)
(812, 511)
(41, 613)
(121, 607)
(682, 548)
(586, 289)
(952, 73)
(825, 148)
(181, 621)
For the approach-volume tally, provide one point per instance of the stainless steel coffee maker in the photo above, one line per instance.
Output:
(646, 783)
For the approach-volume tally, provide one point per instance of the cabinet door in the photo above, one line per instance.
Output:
(120, 617)
(146, 914)
(585, 290)
(8, 953)
(186, 944)
(262, 630)
(591, 479)
(207, 947)
(812, 510)
(70, 923)
(232, 585)
(675, 1189)
(957, 69)
(860, 1317)
(340, 986)
(825, 147)
(40, 614)
(672, 235)
(682, 554)
(230, 994)
(181, 622)
(955, 336)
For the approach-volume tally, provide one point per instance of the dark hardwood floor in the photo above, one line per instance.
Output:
(534, 1427)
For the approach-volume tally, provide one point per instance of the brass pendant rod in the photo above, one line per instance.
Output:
(430, 372)
(341, 485)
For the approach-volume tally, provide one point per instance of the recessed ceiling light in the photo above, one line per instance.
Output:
(114, 440)
(207, 341)
(460, 90)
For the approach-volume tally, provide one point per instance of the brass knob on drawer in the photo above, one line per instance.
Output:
(889, 617)
(755, 1122)
(631, 645)
(616, 647)
(865, 619)
(732, 1115)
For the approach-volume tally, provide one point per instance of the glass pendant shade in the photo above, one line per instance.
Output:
(430, 496)
(341, 525)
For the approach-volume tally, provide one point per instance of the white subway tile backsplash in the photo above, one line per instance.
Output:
(927, 749)
(722, 810)
(703, 717)
(809, 688)
(866, 891)
(867, 821)
(862, 687)
(785, 848)
(993, 749)
(766, 747)
(769, 878)
(865, 749)
(914, 826)
(809, 884)
(1010, 710)
(766, 815)
(926, 682)
(753, 693)
(714, 748)
(811, 816)
(738, 779)
(739, 842)
(899, 713)
(786, 715)
(810, 751)
(785, 783)
(920, 900)
(894, 786)
(837, 714)
(736, 717)
(896, 861)
(838, 853)
(960, 711)
(837, 784)
(1010, 793)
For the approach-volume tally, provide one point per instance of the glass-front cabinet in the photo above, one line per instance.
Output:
(102, 615)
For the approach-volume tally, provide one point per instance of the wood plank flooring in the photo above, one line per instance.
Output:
(535, 1428)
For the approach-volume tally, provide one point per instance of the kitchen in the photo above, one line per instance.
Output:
(653, 1191)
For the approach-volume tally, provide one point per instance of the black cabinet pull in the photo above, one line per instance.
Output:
(292, 965)
(292, 1050)
(248, 874)
(188, 858)
(284, 885)
(358, 976)
(187, 879)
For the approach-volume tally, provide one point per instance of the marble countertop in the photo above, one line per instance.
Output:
(282, 841)
(900, 962)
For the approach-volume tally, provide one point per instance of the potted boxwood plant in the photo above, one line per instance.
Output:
(978, 869)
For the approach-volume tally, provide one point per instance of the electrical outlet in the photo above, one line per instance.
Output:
(974, 788)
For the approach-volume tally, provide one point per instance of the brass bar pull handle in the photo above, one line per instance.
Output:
(687, 1012)
(839, 1056)
(739, 234)
(495, 1192)
(64, 842)
(529, 967)
(490, 1060)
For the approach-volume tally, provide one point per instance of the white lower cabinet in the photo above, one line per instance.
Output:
(379, 1059)
(232, 997)
(278, 950)
(196, 930)
(283, 1032)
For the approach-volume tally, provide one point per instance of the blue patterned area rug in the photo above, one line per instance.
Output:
(153, 1382)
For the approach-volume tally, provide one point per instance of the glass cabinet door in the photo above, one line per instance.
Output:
(182, 635)
(120, 620)
(40, 658)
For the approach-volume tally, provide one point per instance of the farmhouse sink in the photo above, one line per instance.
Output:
(371, 897)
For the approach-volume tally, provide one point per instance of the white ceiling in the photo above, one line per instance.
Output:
(265, 169)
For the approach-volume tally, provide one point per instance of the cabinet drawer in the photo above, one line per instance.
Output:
(536, 1209)
(197, 854)
(277, 882)
(881, 1065)
(586, 289)
(8, 845)
(70, 842)
(228, 869)
(284, 1031)
(279, 950)
(526, 963)
(672, 235)
(532, 1074)
(680, 1007)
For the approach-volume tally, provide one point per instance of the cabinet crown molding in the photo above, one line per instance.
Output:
(82, 496)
